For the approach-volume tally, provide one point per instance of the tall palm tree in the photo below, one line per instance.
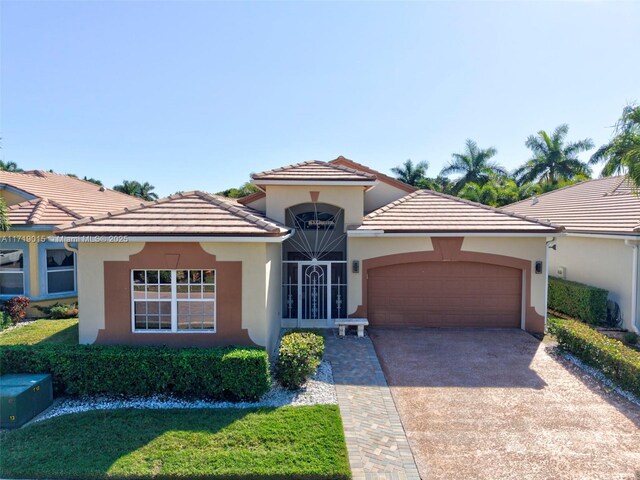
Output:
(474, 165)
(622, 153)
(554, 159)
(146, 192)
(410, 173)
(9, 167)
(137, 189)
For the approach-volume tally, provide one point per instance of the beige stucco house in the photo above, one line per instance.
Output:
(602, 223)
(321, 241)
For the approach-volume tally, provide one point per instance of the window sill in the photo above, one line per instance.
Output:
(165, 332)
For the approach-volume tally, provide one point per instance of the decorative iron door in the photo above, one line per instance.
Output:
(313, 295)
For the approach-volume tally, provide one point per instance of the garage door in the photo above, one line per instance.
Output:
(444, 294)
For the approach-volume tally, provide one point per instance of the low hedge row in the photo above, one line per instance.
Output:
(299, 355)
(619, 363)
(578, 300)
(229, 373)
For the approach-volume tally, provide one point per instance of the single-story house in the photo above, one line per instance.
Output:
(321, 241)
(601, 218)
(31, 264)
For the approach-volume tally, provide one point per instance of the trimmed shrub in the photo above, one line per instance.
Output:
(631, 338)
(60, 311)
(5, 320)
(299, 355)
(578, 300)
(618, 362)
(16, 307)
(143, 371)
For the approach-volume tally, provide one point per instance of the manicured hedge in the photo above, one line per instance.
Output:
(619, 363)
(299, 355)
(5, 320)
(231, 373)
(578, 300)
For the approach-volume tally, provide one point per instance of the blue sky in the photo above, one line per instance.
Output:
(196, 95)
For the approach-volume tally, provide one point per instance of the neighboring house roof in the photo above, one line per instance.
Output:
(185, 214)
(394, 182)
(67, 198)
(604, 205)
(425, 211)
(40, 211)
(339, 162)
(313, 170)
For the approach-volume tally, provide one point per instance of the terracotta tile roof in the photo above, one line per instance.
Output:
(314, 170)
(345, 162)
(603, 205)
(77, 198)
(40, 211)
(431, 212)
(186, 214)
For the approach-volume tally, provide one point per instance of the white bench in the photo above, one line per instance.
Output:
(352, 322)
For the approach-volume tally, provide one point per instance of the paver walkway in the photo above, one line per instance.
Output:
(377, 444)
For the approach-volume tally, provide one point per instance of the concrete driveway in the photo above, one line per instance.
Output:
(494, 404)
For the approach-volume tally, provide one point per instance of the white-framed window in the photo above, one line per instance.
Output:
(61, 270)
(11, 272)
(173, 300)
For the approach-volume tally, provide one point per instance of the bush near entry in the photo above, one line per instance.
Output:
(238, 373)
(618, 362)
(578, 300)
(299, 355)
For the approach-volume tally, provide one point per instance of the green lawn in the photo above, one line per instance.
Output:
(42, 331)
(284, 443)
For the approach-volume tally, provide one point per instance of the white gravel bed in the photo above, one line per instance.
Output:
(20, 324)
(597, 374)
(318, 390)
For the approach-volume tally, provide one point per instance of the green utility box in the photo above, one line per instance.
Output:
(22, 397)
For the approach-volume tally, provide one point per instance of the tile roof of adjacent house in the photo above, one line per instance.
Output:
(40, 211)
(604, 205)
(66, 198)
(313, 170)
(185, 214)
(425, 211)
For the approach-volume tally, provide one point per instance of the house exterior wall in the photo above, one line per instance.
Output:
(380, 195)
(12, 198)
(350, 198)
(257, 290)
(260, 204)
(518, 252)
(601, 262)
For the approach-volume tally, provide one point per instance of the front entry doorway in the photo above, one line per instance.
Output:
(314, 267)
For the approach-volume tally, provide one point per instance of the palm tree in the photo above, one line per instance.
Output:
(9, 167)
(410, 173)
(622, 153)
(146, 192)
(486, 194)
(554, 159)
(137, 189)
(474, 165)
(439, 184)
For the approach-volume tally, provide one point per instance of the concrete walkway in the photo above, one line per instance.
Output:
(377, 444)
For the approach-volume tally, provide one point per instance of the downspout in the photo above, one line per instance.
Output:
(634, 285)
(549, 244)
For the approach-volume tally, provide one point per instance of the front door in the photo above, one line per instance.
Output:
(314, 293)
(314, 298)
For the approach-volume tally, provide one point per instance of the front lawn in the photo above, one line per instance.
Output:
(42, 331)
(266, 443)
